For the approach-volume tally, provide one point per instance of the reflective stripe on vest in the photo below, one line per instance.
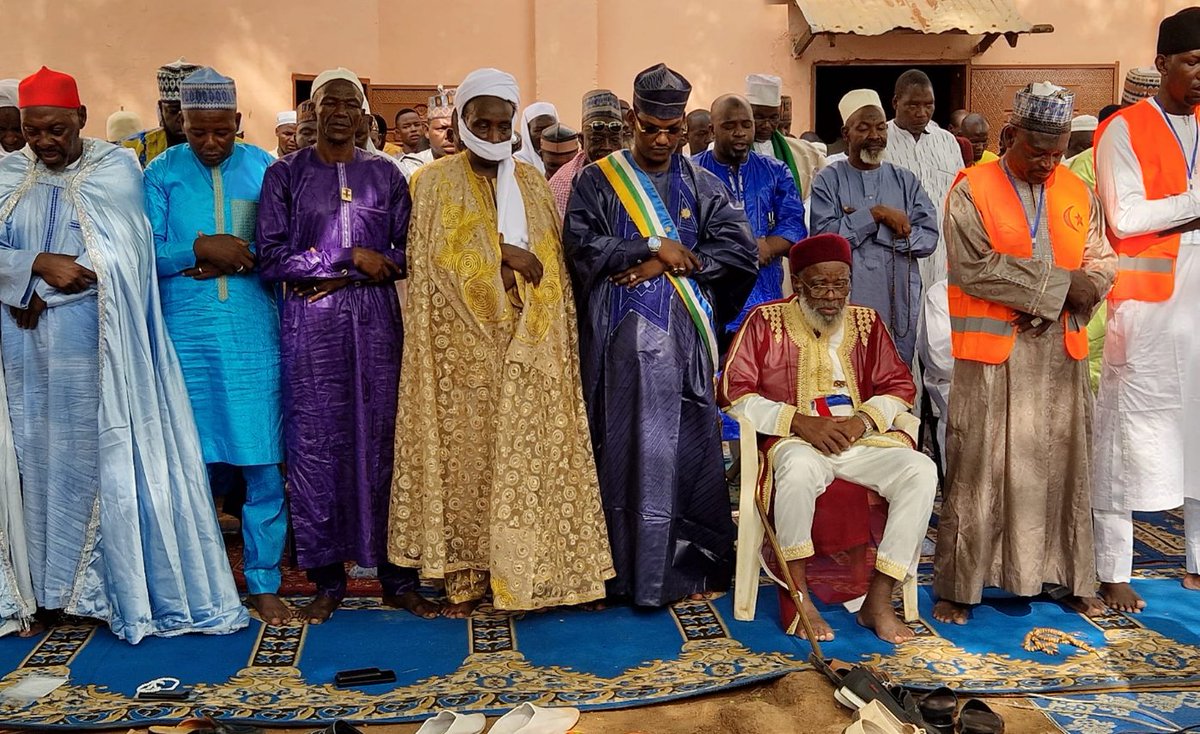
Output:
(981, 330)
(1146, 263)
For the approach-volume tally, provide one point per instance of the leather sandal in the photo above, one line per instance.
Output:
(938, 708)
(976, 717)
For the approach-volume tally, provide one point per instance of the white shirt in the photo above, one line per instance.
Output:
(1122, 189)
(410, 162)
(936, 159)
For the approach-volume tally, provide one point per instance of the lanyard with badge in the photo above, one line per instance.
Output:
(1191, 164)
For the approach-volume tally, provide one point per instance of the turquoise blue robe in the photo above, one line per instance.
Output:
(119, 521)
(226, 332)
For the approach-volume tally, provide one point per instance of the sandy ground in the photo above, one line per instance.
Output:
(797, 703)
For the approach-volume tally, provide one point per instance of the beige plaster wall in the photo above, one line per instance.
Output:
(557, 49)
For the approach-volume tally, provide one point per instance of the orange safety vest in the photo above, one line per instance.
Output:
(980, 330)
(1146, 263)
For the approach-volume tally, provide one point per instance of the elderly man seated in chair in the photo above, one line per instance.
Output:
(829, 395)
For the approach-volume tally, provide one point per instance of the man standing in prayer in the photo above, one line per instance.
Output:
(492, 435)
(306, 124)
(846, 418)
(170, 115)
(1018, 493)
(699, 132)
(603, 130)
(662, 257)
(285, 133)
(332, 226)
(763, 188)
(119, 520)
(441, 131)
(560, 145)
(1083, 134)
(765, 93)
(917, 143)
(1147, 435)
(12, 138)
(222, 319)
(884, 213)
(536, 118)
(978, 132)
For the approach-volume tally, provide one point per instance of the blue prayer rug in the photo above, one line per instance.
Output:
(1122, 713)
(284, 675)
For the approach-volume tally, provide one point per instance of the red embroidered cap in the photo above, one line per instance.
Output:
(48, 88)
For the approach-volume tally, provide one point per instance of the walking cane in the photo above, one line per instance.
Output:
(816, 658)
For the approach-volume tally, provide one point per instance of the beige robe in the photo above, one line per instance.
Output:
(494, 480)
(1017, 500)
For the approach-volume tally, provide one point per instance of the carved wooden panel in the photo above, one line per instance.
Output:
(388, 99)
(992, 89)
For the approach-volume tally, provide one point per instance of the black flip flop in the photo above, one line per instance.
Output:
(938, 708)
(976, 717)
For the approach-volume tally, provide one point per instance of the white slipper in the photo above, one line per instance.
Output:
(530, 719)
(448, 722)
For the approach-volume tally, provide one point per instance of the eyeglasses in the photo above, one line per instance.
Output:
(616, 126)
(819, 290)
(654, 130)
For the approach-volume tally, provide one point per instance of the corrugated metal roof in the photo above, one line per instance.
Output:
(875, 17)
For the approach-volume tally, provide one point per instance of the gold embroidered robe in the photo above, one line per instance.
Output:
(494, 475)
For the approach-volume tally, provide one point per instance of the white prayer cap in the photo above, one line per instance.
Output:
(330, 75)
(8, 92)
(855, 100)
(287, 117)
(120, 125)
(765, 90)
(1084, 123)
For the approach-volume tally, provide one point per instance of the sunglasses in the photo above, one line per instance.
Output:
(615, 126)
(655, 130)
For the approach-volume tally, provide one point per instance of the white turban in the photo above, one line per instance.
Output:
(765, 90)
(510, 207)
(527, 153)
(854, 101)
(8, 92)
(287, 117)
(121, 125)
(330, 75)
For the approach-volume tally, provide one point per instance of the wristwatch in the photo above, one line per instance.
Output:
(655, 244)
(868, 424)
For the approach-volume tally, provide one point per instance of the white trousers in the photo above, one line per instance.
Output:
(907, 479)
(1114, 542)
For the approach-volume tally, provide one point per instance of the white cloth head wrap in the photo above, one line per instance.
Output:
(510, 207)
(854, 101)
(764, 89)
(8, 92)
(287, 117)
(527, 153)
(1084, 123)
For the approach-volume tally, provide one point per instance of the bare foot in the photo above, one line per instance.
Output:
(413, 602)
(1122, 597)
(1088, 606)
(951, 612)
(878, 615)
(270, 608)
(706, 596)
(820, 627)
(319, 610)
(462, 610)
(1192, 581)
(35, 628)
(594, 606)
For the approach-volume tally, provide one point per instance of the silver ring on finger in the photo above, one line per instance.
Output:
(241, 268)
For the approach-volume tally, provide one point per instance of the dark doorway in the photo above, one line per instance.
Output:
(834, 80)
